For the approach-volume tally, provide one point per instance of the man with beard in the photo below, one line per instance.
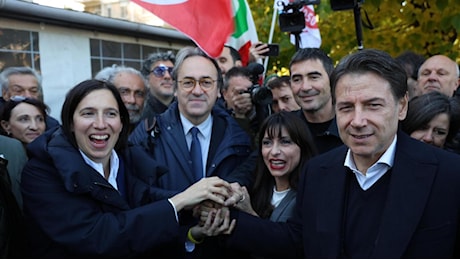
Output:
(229, 58)
(132, 88)
(157, 70)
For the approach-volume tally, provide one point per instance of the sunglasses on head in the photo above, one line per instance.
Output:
(160, 71)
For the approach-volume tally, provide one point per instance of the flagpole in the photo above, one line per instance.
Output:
(270, 36)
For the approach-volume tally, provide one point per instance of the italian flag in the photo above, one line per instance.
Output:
(245, 33)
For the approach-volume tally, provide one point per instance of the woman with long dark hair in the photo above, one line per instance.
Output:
(284, 144)
(88, 194)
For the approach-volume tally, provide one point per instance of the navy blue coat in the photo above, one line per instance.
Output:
(71, 211)
(420, 219)
(230, 146)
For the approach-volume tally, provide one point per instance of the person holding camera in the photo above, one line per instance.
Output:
(241, 99)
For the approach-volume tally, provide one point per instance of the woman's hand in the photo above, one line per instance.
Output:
(245, 204)
(212, 188)
(237, 194)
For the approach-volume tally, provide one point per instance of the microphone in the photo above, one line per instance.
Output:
(255, 68)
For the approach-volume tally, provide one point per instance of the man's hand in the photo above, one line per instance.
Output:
(242, 104)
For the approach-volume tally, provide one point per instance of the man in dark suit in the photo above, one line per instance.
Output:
(383, 195)
(169, 139)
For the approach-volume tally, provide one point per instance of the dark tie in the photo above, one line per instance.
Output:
(195, 152)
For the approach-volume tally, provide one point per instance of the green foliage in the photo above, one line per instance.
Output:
(427, 27)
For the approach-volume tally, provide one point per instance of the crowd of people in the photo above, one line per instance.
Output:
(179, 160)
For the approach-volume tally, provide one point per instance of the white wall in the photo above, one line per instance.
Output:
(64, 61)
(65, 57)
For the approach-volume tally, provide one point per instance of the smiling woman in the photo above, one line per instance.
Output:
(23, 119)
(108, 188)
(432, 118)
(285, 145)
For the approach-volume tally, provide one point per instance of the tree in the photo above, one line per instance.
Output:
(426, 27)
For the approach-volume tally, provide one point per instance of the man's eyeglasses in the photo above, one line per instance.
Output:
(189, 83)
(160, 71)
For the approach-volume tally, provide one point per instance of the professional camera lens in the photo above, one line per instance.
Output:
(261, 95)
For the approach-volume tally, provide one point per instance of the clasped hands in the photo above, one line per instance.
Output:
(214, 215)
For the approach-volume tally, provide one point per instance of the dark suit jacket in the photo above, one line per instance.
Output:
(420, 219)
(229, 147)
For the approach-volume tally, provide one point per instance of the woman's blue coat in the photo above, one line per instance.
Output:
(71, 211)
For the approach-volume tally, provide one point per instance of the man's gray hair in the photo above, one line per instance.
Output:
(128, 70)
(154, 57)
(6, 73)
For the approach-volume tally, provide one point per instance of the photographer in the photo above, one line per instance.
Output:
(246, 101)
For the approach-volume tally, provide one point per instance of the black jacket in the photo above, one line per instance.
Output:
(72, 211)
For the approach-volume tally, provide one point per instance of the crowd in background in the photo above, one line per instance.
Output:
(198, 157)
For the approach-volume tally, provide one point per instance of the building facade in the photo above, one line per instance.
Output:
(67, 46)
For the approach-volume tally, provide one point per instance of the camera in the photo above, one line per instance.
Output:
(260, 95)
(292, 22)
(292, 19)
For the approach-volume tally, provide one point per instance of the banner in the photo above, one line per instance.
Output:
(208, 23)
(310, 36)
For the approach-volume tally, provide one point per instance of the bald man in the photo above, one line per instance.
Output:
(438, 73)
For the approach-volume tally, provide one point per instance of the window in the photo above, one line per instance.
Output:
(124, 12)
(19, 48)
(107, 53)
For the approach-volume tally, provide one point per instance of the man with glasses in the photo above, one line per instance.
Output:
(157, 70)
(223, 145)
(25, 82)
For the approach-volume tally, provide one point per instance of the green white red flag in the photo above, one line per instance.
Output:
(245, 33)
(209, 23)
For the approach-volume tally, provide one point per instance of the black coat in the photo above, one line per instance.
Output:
(72, 211)
(420, 219)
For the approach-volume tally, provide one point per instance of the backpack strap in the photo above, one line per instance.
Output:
(150, 126)
(153, 131)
